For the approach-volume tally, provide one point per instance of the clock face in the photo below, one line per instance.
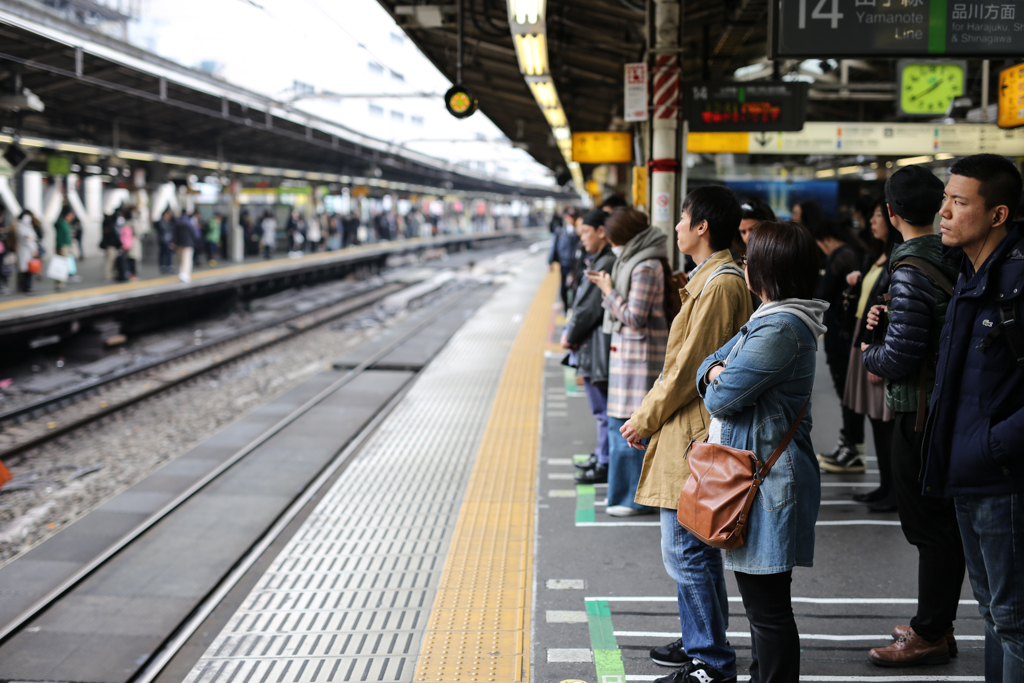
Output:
(928, 88)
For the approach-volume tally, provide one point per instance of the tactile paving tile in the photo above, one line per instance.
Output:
(351, 595)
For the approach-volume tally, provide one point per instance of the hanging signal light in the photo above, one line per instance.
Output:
(460, 102)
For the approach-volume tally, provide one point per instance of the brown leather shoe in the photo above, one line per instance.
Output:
(910, 650)
(950, 640)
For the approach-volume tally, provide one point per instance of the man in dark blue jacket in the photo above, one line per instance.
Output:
(974, 440)
(919, 296)
(563, 251)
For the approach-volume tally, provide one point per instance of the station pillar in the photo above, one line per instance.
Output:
(665, 151)
(236, 242)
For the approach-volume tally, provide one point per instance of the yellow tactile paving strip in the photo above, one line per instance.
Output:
(479, 627)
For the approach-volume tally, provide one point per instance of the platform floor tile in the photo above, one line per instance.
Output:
(351, 594)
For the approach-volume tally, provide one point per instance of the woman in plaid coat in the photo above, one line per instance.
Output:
(634, 302)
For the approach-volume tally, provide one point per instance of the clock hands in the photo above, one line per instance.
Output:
(922, 94)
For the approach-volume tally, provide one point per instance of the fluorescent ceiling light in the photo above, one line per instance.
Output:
(562, 133)
(825, 173)
(555, 117)
(944, 156)
(846, 170)
(526, 11)
(544, 93)
(177, 161)
(910, 161)
(137, 156)
(238, 168)
(533, 54)
(31, 142)
(80, 149)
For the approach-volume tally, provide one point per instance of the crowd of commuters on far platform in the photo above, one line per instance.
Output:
(918, 317)
(189, 239)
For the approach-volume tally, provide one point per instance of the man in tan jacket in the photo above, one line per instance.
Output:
(716, 304)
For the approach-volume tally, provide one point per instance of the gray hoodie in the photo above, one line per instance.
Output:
(810, 311)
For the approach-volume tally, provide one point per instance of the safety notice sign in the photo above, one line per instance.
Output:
(636, 92)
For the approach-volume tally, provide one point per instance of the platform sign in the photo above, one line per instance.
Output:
(636, 92)
(894, 28)
(886, 139)
(1011, 97)
(602, 147)
(737, 107)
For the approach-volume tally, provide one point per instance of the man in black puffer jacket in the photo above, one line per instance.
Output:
(592, 346)
(920, 289)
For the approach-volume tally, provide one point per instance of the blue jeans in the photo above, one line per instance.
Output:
(598, 399)
(703, 599)
(624, 467)
(992, 529)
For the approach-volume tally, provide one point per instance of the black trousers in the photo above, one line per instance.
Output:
(882, 433)
(853, 422)
(774, 640)
(929, 524)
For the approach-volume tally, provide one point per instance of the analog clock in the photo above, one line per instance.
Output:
(928, 88)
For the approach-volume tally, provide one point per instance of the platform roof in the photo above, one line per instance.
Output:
(102, 91)
(589, 41)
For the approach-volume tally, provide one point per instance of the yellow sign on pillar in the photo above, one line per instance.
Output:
(602, 147)
(1011, 97)
(639, 186)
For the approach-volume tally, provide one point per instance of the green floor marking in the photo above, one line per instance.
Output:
(581, 457)
(584, 503)
(607, 656)
(569, 375)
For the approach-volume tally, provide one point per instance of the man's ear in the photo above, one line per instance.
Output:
(703, 227)
(1001, 215)
(892, 214)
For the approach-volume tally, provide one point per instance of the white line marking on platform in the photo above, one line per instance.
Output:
(557, 413)
(562, 493)
(811, 601)
(858, 522)
(561, 475)
(844, 679)
(746, 634)
(572, 655)
(566, 584)
(561, 616)
(555, 462)
(841, 522)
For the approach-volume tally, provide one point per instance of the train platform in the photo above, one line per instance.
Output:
(442, 537)
(47, 312)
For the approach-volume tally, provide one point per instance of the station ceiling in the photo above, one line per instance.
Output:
(113, 95)
(589, 41)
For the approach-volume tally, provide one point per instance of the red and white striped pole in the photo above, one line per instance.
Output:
(665, 123)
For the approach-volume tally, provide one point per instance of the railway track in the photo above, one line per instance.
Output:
(29, 426)
(150, 668)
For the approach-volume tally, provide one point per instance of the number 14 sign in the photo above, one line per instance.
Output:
(895, 28)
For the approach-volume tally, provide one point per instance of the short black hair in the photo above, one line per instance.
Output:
(717, 205)
(756, 208)
(614, 201)
(595, 218)
(1000, 180)
(783, 261)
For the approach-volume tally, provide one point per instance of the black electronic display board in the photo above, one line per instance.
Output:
(743, 107)
(896, 28)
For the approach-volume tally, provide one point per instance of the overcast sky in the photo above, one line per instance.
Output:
(265, 45)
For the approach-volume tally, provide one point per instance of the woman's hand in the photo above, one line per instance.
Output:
(714, 372)
(631, 437)
(565, 341)
(874, 314)
(602, 279)
(853, 277)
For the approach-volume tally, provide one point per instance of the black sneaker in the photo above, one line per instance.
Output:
(588, 464)
(695, 671)
(848, 459)
(672, 654)
(597, 475)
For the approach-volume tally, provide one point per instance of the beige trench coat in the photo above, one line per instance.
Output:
(673, 414)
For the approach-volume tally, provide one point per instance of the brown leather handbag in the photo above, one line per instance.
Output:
(715, 502)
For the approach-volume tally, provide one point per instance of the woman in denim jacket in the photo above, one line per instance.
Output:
(754, 387)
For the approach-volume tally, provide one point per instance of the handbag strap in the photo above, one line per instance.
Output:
(763, 472)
